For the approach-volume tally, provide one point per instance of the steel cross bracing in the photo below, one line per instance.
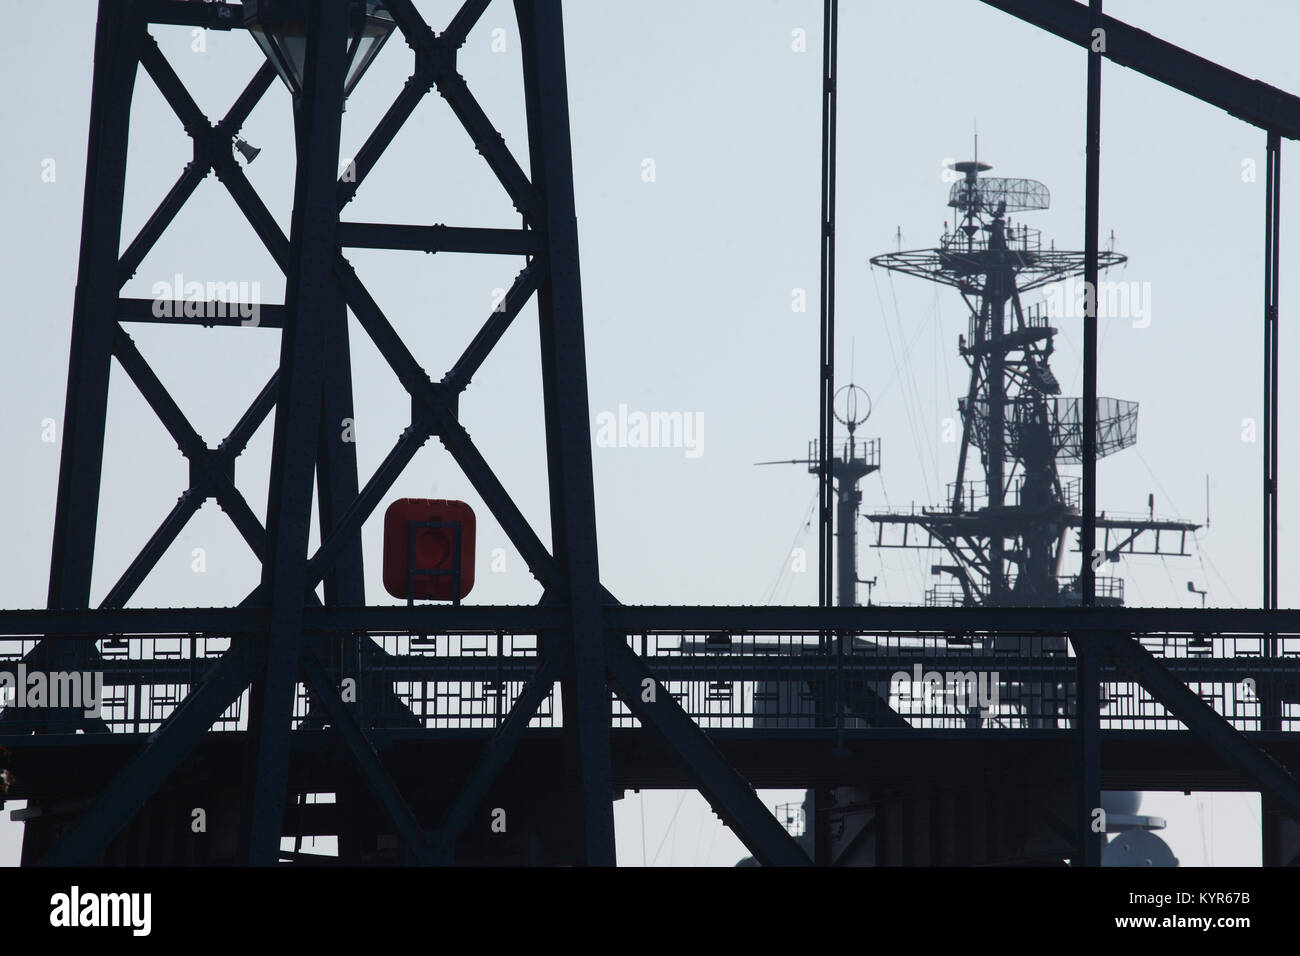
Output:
(281, 635)
(312, 388)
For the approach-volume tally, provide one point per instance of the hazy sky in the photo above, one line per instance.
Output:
(689, 284)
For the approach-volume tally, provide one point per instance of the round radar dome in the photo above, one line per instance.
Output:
(1121, 801)
(1138, 848)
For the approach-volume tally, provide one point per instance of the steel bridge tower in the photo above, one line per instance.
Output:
(292, 670)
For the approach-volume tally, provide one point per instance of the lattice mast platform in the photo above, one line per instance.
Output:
(1007, 531)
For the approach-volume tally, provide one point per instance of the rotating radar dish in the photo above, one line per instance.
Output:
(970, 166)
(1020, 195)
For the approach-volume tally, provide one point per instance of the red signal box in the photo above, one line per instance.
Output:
(428, 549)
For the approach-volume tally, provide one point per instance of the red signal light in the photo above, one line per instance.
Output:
(428, 549)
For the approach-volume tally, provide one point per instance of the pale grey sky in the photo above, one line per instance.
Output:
(688, 283)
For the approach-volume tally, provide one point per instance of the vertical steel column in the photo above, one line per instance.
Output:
(568, 424)
(848, 499)
(1279, 835)
(823, 798)
(118, 36)
(826, 364)
(336, 488)
(117, 43)
(1088, 717)
(1269, 832)
(1088, 691)
(310, 301)
(337, 484)
(995, 306)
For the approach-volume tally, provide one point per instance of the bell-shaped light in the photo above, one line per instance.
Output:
(280, 29)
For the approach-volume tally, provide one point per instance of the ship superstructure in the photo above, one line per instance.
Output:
(1006, 523)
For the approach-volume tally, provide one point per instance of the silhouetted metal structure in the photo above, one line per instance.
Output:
(239, 710)
(1006, 532)
(848, 462)
(312, 397)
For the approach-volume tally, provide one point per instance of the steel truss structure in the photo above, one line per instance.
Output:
(178, 676)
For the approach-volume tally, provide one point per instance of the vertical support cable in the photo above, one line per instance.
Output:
(1271, 711)
(1088, 688)
(1272, 209)
(826, 364)
(1092, 196)
(826, 372)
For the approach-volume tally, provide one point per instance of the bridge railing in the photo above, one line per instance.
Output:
(725, 681)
